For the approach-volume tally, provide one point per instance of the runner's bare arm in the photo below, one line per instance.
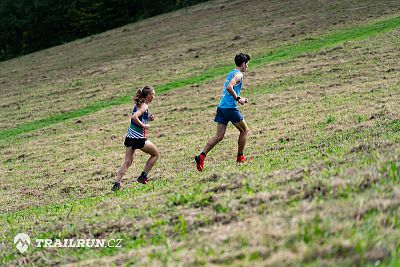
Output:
(135, 116)
(235, 80)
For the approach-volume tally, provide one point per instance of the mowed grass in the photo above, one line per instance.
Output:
(322, 187)
(163, 50)
(280, 54)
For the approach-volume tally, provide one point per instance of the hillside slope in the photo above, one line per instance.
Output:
(322, 187)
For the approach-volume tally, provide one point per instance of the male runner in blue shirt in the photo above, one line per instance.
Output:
(228, 111)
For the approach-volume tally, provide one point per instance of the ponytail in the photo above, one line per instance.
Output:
(142, 93)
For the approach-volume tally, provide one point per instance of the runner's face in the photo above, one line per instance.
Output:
(150, 97)
(245, 66)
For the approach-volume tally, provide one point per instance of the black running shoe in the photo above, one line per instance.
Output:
(142, 179)
(116, 186)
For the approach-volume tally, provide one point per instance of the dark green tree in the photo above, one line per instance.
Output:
(31, 25)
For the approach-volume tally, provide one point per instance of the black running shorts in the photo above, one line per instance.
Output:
(135, 143)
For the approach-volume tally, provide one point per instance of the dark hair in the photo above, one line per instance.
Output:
(142, 93)
(240, 58)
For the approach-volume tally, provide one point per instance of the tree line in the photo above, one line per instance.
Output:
(31, 25)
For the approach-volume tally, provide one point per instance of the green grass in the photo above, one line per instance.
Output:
(190, 197)
(322, 185)
(280, 54)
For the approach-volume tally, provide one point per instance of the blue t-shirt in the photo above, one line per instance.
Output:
(227, 100)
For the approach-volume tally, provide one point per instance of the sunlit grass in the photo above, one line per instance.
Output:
(321, 188)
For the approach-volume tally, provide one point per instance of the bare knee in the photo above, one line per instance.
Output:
(156, 154)
(244, 131)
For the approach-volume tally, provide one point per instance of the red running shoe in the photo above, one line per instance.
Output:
(240, 159)
(200, 162)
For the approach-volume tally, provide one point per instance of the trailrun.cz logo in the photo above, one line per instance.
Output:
(22, 242)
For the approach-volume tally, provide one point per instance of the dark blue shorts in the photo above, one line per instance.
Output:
(225, 115)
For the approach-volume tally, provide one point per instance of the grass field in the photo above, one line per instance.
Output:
(322, 188)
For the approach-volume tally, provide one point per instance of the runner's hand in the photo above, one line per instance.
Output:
(147, 126)
(243, 101)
